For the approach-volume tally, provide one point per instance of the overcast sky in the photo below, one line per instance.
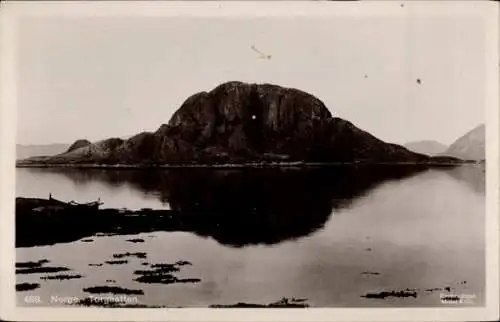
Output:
(101, 77)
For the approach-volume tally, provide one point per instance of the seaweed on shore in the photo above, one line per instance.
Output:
(446, 288)
(141, 255)
(183, 263)
(167, 267)
(87, 240)
(434, 289)
(370, 273)
(91, 264)
(32, 264)
(113, 290)
(89, 302)
(36, 270)
(117, 262)
(61, 277)
(384, 294)
(21, 287)
(135, 240)
(164, 279)
(283, 303)
(161, 273)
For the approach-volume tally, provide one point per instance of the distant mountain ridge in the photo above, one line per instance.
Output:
(428, 147)
(238, 122)
(24, 151)
(471, 146)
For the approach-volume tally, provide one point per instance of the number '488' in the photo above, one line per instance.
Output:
(32, 299)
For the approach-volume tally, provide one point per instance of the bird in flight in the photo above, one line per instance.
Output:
(262, 55)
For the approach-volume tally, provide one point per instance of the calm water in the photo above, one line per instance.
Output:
(328, 237)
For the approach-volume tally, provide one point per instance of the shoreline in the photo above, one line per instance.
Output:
(244, 165)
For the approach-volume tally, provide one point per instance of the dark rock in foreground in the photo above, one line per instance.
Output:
(370, 273)
(119, 303)
(384, 294)
(61, 277)
(112, 290)
(163, 273)
(37, 267)
(32, 264)
(283, 303)
(137, 254)
(117, 262)
(135, 240)
(21, 287)
(36, 270)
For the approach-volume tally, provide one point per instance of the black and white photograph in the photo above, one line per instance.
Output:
(224, 156)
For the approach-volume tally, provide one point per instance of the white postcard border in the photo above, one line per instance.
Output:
(10, 13)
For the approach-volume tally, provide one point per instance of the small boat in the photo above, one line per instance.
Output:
(52, 204)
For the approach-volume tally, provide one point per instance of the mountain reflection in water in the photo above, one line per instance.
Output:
(235, 207)
(472, 175)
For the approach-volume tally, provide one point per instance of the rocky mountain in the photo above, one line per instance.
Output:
(239, 122)
(27, 151)
(426, 147)
(471, 146)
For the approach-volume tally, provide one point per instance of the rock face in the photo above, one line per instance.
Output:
(249, 121)
(426, 147)
(471, 146)
(79, 144)
(239, 122)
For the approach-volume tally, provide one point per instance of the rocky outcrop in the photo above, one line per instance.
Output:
(250, 121)
(79, 144)
(238, 122)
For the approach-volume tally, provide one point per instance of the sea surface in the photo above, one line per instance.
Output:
(326, 238)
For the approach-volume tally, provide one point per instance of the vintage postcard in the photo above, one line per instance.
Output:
(249, 161)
